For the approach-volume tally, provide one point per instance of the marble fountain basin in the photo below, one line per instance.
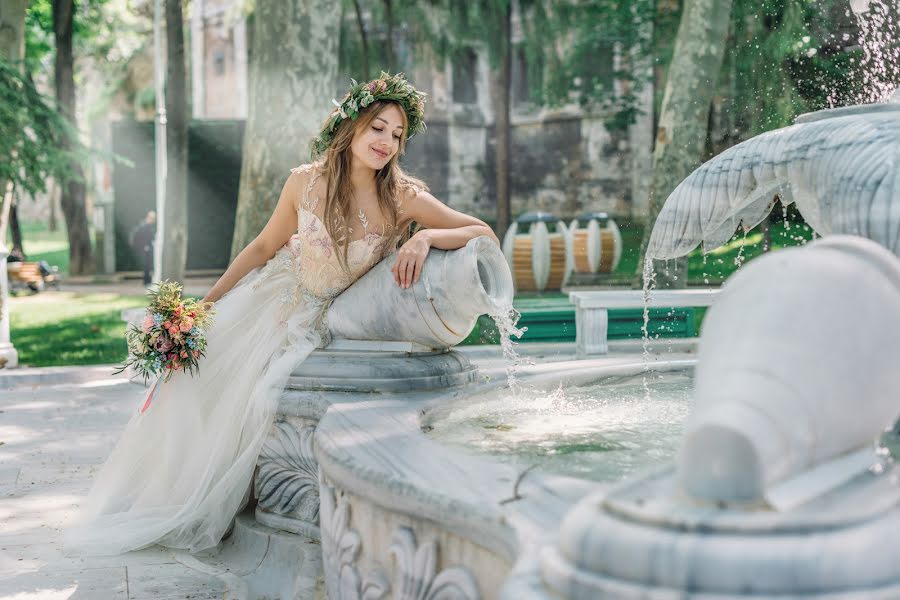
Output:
(393, 492)
(598, 427)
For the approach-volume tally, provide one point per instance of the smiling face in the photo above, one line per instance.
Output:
(375, 143)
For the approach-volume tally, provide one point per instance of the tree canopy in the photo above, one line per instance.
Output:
(33, 134)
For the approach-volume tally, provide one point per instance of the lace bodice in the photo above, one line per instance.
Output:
(320, 270)
(311, 256)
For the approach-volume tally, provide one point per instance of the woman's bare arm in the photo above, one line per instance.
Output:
(281, 226)
(446, 229)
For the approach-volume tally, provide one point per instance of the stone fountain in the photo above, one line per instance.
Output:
(779, 489)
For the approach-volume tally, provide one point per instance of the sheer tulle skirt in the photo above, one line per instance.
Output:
(181, 469)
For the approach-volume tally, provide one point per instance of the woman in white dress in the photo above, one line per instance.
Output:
(182, 468)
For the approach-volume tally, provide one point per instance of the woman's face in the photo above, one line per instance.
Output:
(378, 142)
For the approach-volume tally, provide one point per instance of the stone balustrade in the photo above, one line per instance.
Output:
(592, 316)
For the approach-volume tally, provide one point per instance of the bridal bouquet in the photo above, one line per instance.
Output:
(172, 335)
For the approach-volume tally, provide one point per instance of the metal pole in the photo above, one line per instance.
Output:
(159, 140)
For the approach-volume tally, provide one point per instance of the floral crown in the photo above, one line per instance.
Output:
(387, 87)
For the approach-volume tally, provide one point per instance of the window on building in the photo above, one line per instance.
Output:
(465, 68)
(218, 62)
(598, 67)
(520, 90)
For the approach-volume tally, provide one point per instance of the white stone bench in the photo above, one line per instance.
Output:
(592, 316)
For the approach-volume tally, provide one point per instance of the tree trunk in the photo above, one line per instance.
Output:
(287, 107)
(500, 98)
(81, 258)
(389, 54)
(14, 229)
(53, 197)
(363, 38)
(174, 243)
(684, 116)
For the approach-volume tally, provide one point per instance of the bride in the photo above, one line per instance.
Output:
(182, 468)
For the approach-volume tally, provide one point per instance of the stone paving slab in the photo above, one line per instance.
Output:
(53, 438)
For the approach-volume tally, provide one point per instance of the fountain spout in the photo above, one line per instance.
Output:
(784, 380)
(439, 311)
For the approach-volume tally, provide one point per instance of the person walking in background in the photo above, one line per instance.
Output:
(142, 238)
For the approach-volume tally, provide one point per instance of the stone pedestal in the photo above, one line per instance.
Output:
(287, 482)
(9, 357)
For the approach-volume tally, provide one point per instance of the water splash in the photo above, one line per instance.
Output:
(739, 259)
(602, 430)
(649, 280)
(878, 32)
(506, 318)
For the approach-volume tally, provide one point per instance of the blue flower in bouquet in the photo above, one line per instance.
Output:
(157, 319)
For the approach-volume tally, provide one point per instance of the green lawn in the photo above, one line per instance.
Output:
(723, 261)
(66, 328)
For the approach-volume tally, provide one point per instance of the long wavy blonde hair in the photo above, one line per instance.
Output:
(389, 180)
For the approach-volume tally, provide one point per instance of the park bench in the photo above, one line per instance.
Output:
(592, 321)
(28, 275)
(552, 319)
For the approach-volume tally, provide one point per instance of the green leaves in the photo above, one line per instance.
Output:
(34, 137)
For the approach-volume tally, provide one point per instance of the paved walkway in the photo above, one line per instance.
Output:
(52, 439)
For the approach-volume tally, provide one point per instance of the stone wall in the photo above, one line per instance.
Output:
(562, 163)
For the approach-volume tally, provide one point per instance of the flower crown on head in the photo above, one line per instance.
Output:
(387, 87)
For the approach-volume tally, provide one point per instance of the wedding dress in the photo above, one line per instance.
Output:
(182, 469)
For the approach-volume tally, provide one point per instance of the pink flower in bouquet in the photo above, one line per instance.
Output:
(163, 344)
(183, 323)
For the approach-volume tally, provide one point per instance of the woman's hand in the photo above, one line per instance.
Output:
(410, 259)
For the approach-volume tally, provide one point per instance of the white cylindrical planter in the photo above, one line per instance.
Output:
(439, 311)
(596, 244)
(539, 259)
